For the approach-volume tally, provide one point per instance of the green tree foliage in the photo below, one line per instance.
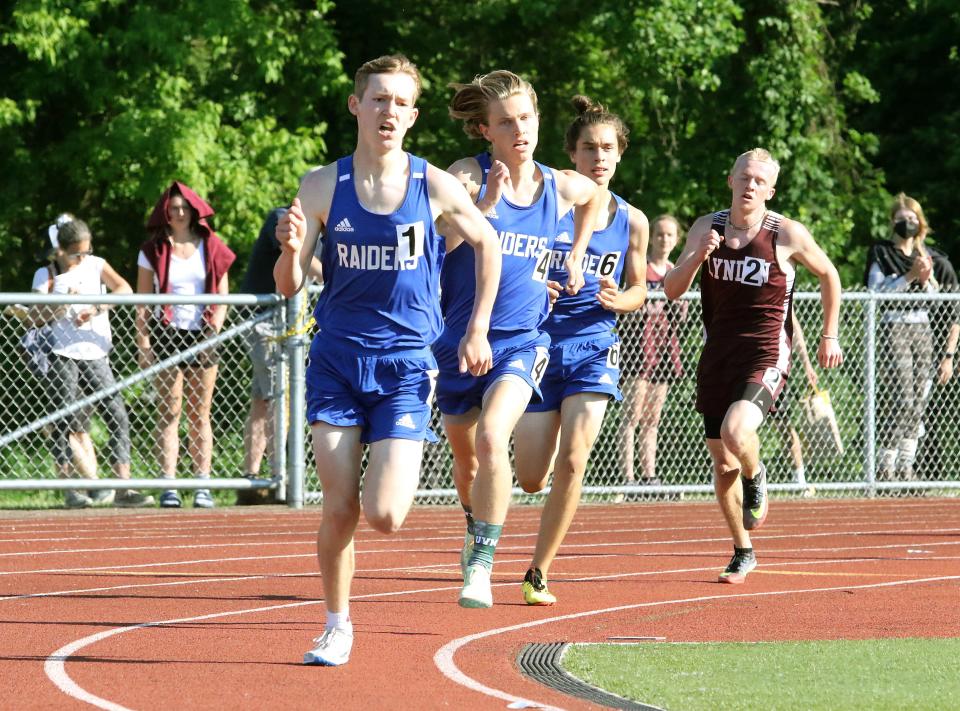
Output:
(910, 54)
(106, 102)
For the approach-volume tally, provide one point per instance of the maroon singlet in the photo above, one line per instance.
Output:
(747, 301)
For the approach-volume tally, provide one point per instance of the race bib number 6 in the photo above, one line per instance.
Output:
(613, 356)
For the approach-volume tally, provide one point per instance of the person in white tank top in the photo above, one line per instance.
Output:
(79, 363)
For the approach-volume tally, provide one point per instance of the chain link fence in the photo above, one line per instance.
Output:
(831, 438)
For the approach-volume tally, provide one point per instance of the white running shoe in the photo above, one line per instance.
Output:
(333, 648)
(476, 587)
(465, 553)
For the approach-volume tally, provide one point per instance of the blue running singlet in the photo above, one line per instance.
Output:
(526, 235)
(381, 272)
(581, 314)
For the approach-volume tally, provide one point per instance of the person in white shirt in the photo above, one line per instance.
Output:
(80, 362)
(185, 257)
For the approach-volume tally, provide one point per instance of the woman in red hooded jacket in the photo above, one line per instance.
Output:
(184, 256)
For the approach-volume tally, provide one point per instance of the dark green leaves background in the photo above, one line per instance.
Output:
(103, 103)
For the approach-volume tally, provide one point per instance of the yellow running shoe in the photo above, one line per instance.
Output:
(535, 589)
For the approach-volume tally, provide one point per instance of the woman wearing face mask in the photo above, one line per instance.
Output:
(907, 338)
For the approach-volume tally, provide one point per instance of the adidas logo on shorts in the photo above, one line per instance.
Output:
(518, 364)
(606, 379)
(343, 226)
(406, 421)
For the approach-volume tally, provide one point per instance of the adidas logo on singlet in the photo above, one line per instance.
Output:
(406, 421)
(491, 214)
(343, 226)
(564, 238)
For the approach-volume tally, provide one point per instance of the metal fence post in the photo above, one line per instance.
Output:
(870, 392)
(279, 464)
(296, 358)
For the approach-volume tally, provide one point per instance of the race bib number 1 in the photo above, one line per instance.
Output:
(410, 240)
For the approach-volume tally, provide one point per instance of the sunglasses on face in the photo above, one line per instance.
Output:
(78, 255)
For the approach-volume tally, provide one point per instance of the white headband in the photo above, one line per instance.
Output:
(54, 230)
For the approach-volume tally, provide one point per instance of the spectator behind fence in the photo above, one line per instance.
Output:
(656, 356)
(80, 362)
(263, 346)
(905, 363)
(183, 256)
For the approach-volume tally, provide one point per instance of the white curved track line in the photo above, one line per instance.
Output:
(443, 659)
(55, 664)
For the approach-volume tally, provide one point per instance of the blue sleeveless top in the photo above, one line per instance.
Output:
(381, 272)
(581, 314)
(526, 235)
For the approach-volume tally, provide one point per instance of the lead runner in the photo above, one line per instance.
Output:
(748, 253)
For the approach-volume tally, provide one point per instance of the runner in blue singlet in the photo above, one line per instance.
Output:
(584, 369)
(523, 200)
(371, 373)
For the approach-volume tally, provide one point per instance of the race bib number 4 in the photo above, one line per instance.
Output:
(540, 362)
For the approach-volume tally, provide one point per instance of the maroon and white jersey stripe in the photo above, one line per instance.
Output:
(747, 298)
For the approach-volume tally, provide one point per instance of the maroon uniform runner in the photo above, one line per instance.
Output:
(747, 299)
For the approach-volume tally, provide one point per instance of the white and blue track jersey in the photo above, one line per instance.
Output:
(381, 272)
(526, 235)
(581, 314)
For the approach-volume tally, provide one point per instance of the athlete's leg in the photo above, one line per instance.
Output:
(390, 482)
(535, 448)
(726, 484)
(739, 435)
(503, 404)
(581, 417)
(655, 397)
(337, 451)
(461, 431)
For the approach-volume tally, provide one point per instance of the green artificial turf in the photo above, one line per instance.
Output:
(861, 674)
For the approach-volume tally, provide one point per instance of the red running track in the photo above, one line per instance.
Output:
(214, 609)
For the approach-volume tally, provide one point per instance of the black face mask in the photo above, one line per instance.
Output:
(906, 229)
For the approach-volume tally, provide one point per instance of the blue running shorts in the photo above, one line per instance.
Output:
(584, 365)
(523, 357)
(387, 396)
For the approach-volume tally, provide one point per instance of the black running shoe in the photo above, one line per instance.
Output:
(755, 503)
(743, 562)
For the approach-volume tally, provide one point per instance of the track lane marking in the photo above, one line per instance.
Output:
(443, 659)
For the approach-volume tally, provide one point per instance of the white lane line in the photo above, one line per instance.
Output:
(426, 539)
(55, 666)
(705, 553)
(444, 657)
